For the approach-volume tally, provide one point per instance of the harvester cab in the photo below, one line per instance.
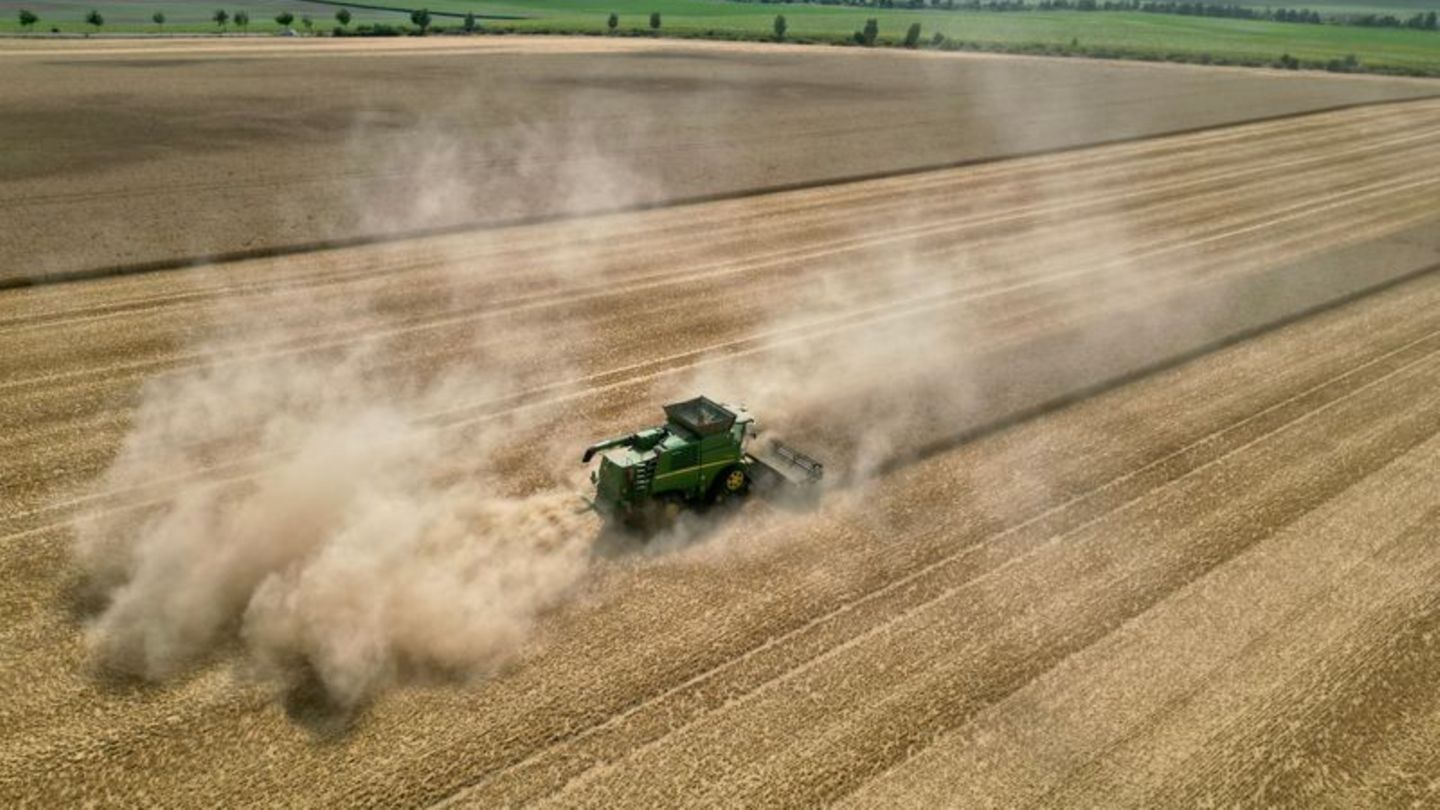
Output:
(701, 455)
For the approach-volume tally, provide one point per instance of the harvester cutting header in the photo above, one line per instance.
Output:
(701, 455)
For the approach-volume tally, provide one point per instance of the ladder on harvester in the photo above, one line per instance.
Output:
(644, 477)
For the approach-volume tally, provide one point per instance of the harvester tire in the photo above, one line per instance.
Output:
(732, 483)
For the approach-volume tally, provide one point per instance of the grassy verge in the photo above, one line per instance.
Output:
(1122, 35)
(181, 16)
(1151, 37)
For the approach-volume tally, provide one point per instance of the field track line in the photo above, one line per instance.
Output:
(1085, 165)
(930, 301)
(989, 704)
(230, 256)
(747, 346)
(740, 347)
(244, 468)
(359, 334)
(1097, 163)
(245, 463)
(332, 179)
(450, 257)
(241, 469)
(950, 592)
(1165, 185)
(112, 738)
(852, 604)
(1308, 605)
(1353, 658)
(489, 164)
(940, 253)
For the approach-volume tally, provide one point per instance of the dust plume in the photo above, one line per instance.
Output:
(917, 345)
(362, 546)
(348, 556)
(911, 347)
(312, 515)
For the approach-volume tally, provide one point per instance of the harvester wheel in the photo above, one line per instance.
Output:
(734, 482)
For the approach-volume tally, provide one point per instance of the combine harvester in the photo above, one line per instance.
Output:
(701, 456)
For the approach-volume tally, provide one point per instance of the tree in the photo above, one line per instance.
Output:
(94, 18)
(613, 22)
(308, 23)
(1347, 65)
(655, 20)
(28, 19)
(470, 25)
(421, 18)
(780, 27)
(221, 16)
(159, 18)
(284, 18)
(242, 20)
(1432, 22)
(343, 17)
(868, 36)
(912, 36)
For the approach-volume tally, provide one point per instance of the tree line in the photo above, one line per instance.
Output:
(221, 18)
(1421, 21)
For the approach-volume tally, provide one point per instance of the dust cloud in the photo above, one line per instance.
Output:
(349, 556)
(365, 550)
(316, 525)
(897, 352)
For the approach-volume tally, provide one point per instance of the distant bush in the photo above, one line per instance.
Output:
(1287, 62)
(613, 22)
(912, 36)
(655, 21)
(868, 35)
(938, 40)
(1349, 64)
(375, 30)
(780, 27)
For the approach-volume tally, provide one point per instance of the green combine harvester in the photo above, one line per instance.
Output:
(699, 457)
